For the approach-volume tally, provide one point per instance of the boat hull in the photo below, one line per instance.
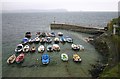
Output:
(20, 58)
(64, 57)
(11, 59)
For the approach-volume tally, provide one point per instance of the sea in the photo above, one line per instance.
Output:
(15, 25)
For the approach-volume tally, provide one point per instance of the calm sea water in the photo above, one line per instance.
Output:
(14, 26)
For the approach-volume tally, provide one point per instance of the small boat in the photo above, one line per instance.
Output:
(69, 39)
(81, 47)
(62, 39)
(11, 59)
(75, 47)
(60, 34)
(64, 57)
(38, 34)
(56, 47)
(48, 40)
(48, 34)
(43, 34)
(19, 48)
(25, 40)
(53, 34)
(20, 58)
(56, 40)
(31, 40)
(41, 48)
(37, 40)
(76, 58)
(42, 40)
(26, 48)
(28, 34)
(33, 49)
(45, 59)
(49, 48)
(89, 39)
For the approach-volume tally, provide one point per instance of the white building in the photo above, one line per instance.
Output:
(114, 29)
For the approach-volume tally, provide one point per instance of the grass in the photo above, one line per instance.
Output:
(113, 72)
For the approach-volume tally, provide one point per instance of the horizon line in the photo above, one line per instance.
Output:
(29, 11)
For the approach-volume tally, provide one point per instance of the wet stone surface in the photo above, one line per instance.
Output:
(32, 66)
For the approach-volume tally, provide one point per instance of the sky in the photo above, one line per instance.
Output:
(70, 5)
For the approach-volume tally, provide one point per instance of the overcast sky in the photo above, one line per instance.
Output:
(70, 5)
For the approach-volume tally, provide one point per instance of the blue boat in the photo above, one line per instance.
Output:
(25, 40)
(53, 34)
(69, 39)
(45, 59)
(62, 39)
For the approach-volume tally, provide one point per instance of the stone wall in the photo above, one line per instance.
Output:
(89, 30)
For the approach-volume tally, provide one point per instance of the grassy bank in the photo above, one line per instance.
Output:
(108, 45)
(113, 41)
(113, 59)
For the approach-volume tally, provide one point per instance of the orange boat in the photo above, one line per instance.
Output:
(76, 58)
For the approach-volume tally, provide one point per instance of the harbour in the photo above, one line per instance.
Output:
(33, 60)
(14, 29)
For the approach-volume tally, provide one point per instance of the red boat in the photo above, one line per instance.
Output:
(20, 58)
